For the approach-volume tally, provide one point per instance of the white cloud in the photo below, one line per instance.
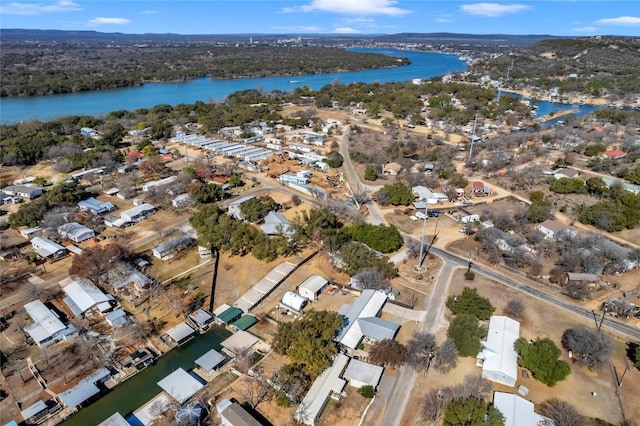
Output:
(18, 8)
(584, 29)
(345, 30)
(493, 9)
(621, 21)
(442, 20)
(108, 21)
(351, 7)
(148, 12)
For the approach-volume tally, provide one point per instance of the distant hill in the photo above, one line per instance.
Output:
(15, 35)
(595, 64)
(465, 38)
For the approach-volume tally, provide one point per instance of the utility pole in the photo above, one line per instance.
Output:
(214, 252)
(473, 137)
(424, 228)
(500, 86)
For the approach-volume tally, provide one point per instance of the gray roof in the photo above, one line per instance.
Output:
(180, 332)
(115, 420)
(314, 283)
(170, 245)
(180, 385)
(34, 409)
(241, 200)
(580, 276)
(377, 328)
(46, 323)
(367, 305)
(117, 318)
(236, 415)
(85, 389)
(363, 372)
(45, 246)
(210, 360)
(201, 317)
(240, 341)
(74, 231)
(85, 295)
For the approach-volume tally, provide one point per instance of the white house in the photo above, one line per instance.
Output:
(328, 384)
(75, 232)
(151, 186)
(498, 357)
(47, 327)
(171, 248)
(95, 206)
(234, 414)
(361, 320)
(181, 200)
(566, 173)
(48, 249)
(518, 411)
(83, 296)
(312, 287)
(23, 191)
(137, 213)
(360, 373)
(552, 229)
(276, 224)
(234, 207)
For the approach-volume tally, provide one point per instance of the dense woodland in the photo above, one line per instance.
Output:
(54, 68)
(601, 63)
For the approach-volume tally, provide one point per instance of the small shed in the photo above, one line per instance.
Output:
(244, 323)
(180, 333)
(211, 361)
(360, 373)
(312, 287)
(229, 315)
(117, 318)
(293, 301)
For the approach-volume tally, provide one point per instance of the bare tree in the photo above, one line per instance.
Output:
(371, 279)
(421, 350)
(58, 216)
(514, 308)
(590, 348)
(94, 262)
(446, 357)
(562, 413)
(256, 389)
(471, 386)
(433, 407)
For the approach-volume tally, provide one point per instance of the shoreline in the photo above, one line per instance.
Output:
(574, 99)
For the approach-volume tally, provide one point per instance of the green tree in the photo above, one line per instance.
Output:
(334, 159)
(309, 342)
(594, 149)
(596, 186)
(235, 180)
(466, 332)
(370, 173)
(382, 238)
(206, 193)
(469, 302)
(540, 208)
(471, 411)
(541, 358)
(256, 209)
(356, 256)
(396, 194)
(567, 186)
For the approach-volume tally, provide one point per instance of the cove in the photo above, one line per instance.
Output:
(13, 110)
(136, 391)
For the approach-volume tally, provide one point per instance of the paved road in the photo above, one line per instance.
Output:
(613, 324)
(430, 324)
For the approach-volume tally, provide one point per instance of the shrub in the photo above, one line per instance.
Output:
(366, 391)
(469, 276)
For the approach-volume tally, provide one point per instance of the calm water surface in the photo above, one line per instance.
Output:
(423, 65)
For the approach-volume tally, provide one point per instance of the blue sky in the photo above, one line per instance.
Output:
(557, 17)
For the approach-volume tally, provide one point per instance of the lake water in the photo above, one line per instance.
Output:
(423, 65)
(138, 390)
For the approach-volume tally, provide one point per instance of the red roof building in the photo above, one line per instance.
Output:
(615, 154)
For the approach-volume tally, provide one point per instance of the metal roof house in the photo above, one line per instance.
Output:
(137, 213)
(360, 373)
(498, 357)
(211, 361)
(85, 389)
(234, 207)
(244, 323)
(48, 249)
(115, 420)
(233, 414)
(201, 318)
(153, 185)
(180, 333)
(47, 327)
(23, 191)
(171, 248)
(83, 296)
(312, 287)
(552, 229)
(276, 224)
(293, 301)
(328, 384)
(180, 385)
(239, 342)
(95, 206)
(361, 320)
(75, 232)
(518, 411)
(117, 318)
